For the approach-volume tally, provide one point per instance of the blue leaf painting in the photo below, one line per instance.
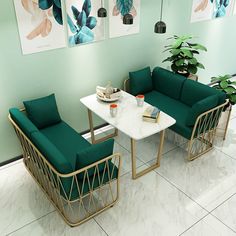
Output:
(82, 19)
(91, 22)
(57, 14)
(73, 27)
(85, 35)
(124, 6)
(75, 12)
(87, 7)
(72, 40)
(57, 3)
(45, 4)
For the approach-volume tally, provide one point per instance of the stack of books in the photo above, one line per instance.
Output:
(151, 114)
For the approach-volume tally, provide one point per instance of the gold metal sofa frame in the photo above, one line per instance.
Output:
(202, 137)
(85, 206)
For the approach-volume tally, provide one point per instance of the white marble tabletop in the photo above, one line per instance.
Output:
(129, 116)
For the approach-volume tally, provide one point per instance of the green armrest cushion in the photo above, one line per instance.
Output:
(201, 107)
(140, 81)
(22, 121)
(51, 153)
(93, 154)
(43, 111)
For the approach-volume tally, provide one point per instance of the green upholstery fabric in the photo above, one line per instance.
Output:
(222, 97)
(67, 140)
(179, 111)
(193, 92)
(22, 121)
(167, 82)
(140, 81)
(43, 111)
(200, 107)
(93, 154)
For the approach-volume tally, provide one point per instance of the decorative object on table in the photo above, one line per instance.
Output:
(124, 17)
(151, 114)
(160, 26)
(83, 26)
(102, 12)
(225, 84)
(113, 110)
(140, 100)
(183, 52)
(40, 25)
(211, 9)
(108, 94)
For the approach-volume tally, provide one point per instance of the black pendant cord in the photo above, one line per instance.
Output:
(161, 9)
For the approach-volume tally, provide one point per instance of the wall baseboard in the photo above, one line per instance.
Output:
(21, 156)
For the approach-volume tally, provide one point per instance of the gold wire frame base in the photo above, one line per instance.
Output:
(77, 196)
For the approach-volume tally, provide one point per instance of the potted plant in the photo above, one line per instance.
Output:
(225, 84)
(183, 52)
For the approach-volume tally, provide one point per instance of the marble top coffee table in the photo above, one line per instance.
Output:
(129, 121)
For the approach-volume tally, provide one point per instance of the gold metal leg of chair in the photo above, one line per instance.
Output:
(227, 122)
(136, 175)
(94, 141)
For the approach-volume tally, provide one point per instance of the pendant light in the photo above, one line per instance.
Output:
(160, 26)
(128, 19)
(102, 12)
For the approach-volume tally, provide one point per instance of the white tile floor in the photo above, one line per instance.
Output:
(179, 198)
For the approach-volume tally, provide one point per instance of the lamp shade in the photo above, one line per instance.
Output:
(102, 12)
(128, 19)
(160, 27)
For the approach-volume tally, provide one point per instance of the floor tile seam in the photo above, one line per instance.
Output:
(31, 222)
(223, 223)
(173, 184)
(100, 226)
(227, 199)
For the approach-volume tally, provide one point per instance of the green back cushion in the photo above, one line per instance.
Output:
(22, 121)
(194, 91)
(93, 154)
(51, 153)
(201, 106)
(167, 82)
(43, 111)
(140, 81)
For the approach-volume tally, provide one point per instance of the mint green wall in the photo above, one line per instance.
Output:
(74, 72)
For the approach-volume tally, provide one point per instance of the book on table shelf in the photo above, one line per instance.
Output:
(151, 114)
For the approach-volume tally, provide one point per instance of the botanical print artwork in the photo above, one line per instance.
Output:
(211, 9)
(83, 24)
(40, 25)
(117, 10)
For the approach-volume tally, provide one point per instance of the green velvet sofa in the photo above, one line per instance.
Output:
(195, 107)
(79, 178)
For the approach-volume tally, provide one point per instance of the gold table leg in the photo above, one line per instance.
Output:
(136, 175)
(94, 141)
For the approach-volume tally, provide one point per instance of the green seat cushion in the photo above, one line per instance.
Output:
(140, 81)
(194, 91)
(67, 140)
(167, 82)
(93, 154)
(179, 111)
(23, 122)
(43, 111)
(51, 153)
(201, 107)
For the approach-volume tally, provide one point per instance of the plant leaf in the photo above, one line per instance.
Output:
(199, 47)
(45, 4)
(91, 22)
(57, 14)
(224, 84)
(187, 52)
(175, 51)
(57, 3)
(192, 69)
(85, 35)
(73, 27)
(168, 59)
(177, 43)
(193, 61)
(230, 90)
(87, 7)
(75, 12)
(200, 65)
(179, 62)
(232, 98)
(214, 79)
(82, 19)
(174, 68)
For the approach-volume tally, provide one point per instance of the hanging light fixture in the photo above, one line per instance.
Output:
(102, 12)
(128, 19)
(160, 26)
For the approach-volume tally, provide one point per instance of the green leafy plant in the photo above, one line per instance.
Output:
(224, 84)
(183, 60)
